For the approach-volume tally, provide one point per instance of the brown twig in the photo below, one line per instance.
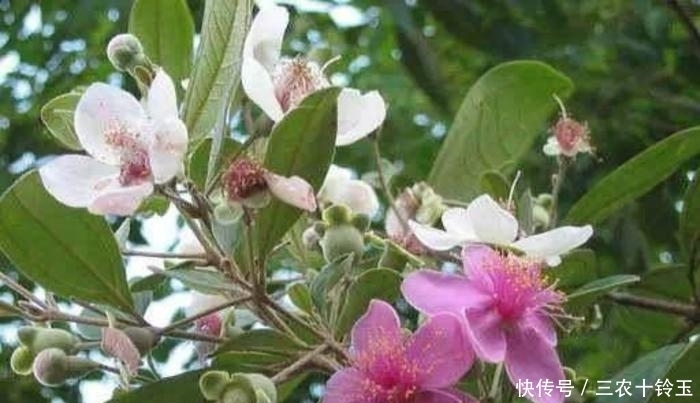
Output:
(689, 311)
(193, 318)
(298, 365)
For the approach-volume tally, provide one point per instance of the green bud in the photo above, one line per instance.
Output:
(125, 52)
(38, 339)
(540, 216)
(143, 338)
(337, 215)
(544, 200)
(238, 390)
(213, 383)
(52, 367)
(21, 361)
(361, 222)
(340, 240)
(264, 388)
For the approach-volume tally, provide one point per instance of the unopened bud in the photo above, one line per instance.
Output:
(339, 240)
(213, 383)
(52, 367)
(21, 361)
(337, 215)
(125, 52)
(361, 222)
(144, 339)
(264, 388)
(238, 390)
(430, 206)
(41, 338)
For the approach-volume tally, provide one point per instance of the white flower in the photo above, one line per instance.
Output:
(278, 84)
(484, 221)
(341, 187)
(131, 146)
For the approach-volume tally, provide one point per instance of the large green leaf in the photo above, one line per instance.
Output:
(686, 367)
(216, 75)
(646, 371)
(689, 222)
(589, 292)
(57, 116)
(182, 388)
(261, 341)
(635, 177)
(65, 250)
(500, 118)
(166, 30)
(302, 144)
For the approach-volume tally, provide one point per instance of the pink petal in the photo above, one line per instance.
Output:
(440, 348)
(477, 257)
(530, 357)
(432, 292)
(117, 344)
(294, 190)
(162, 101)
(119, 200)
(104, 111)
(167, 149)
(379, 325)
(490, 222)
(74, 180)
(347, 386)
(358, 115)
(543, 326)
(485, 328)
(443, 396)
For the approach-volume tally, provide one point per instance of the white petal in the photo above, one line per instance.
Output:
(168, 149)
(162, 101)
(120, 200)
(456, 222)
(358, 115)
(257, 84)
(432, 238)
(293, 190)
(75, 180)
(264, 40)
(551, 148)
(490, 222)
(356, 194)
(105, 109)
(553, 243)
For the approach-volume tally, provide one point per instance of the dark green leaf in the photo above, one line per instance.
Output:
(495, 184)
(373, 284)
(686, 367)
(261, 341)
(177, 389)
(500, 118)
(689, 221)
(166, 30)
(301, 297)
(248, 361)
(302, 144)
(635, 177)
(199, 161)
(57, 116)
(204, 281)
(216, 76)
(65, 250)
(596, 288)
(577, 268)
(323, 285)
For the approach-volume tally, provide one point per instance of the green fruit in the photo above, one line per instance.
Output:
(337, 215)
(213, 383)
(341, 240)
(21, 361)
(38, 339)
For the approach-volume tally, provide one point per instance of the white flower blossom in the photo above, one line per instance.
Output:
(341, 187)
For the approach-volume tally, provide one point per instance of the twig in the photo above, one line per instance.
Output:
(687, 22)
(299, 364)
(165, 255)
(188, 320)
(557, 182)
(383, 182)
(179, 334)
(19, 289)
(691, 312)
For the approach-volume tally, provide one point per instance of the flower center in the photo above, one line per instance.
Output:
(569, 133)
(135, 166)
(296, 78)
(210, 324)
(243, 179)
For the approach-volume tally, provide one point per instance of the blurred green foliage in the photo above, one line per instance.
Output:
(634, 64)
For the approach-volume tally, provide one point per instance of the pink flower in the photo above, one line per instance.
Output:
(278, 84)
(131, 146)
(569, 136)
(506, 307)
(388, 367)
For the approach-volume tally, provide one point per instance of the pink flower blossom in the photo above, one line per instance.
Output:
(278, 84)
(131, 146)
(506, 308)
(388, 367)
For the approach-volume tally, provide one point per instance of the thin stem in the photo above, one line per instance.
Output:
(298, 365)
(195, 336)
(689, 311)
(165, 255)
(19, 289)
(189, 320)
(557, 182)
(496, 383)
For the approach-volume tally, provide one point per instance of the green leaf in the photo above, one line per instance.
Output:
(216, 76)
(500, 118)
(635, 177)
(648, 369)
(373, 284)
(596, 288)
(204, 281)
(302, 144)
(260, 340)
(686, 367)
(182, 388)
(248, 361)
(198, 165)
(689, 220)
(301, 297)
(166, 30)
(670, 281)
(65, 250)
(495, 184)
(577, 268)
(57, 116)
(323, 285)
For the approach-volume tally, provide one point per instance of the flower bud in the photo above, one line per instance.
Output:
(125, 52)
(143, 338)
(361, 222)
(52, 367)
(337, 215)
(41, 338)
(339, 240)
(21, 361)
(238, 390)
(264, 388)
(213, 383)
(430, 207)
